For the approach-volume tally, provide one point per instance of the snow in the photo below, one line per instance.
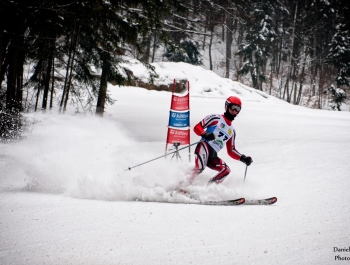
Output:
(203, 83)
(65, 197)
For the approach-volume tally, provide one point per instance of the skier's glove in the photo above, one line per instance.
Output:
(246, 160)
(208, 136)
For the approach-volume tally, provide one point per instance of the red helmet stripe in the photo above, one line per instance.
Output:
(233, 100)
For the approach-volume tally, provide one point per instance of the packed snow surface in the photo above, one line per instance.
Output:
(65, 197)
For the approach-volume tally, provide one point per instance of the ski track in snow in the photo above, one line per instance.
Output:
(65, 197)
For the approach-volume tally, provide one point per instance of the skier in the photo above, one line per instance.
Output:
(216, 130)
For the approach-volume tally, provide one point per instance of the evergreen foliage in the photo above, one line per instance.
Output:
(260, 36)
(187, 51)
(75, 36)
(339, 54)
(338, 97)
(71, 49)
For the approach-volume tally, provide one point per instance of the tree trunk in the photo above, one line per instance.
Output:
(101, 100)
(320, 86)
(271, 76)
(75, 43)
(254, 79)
(280, 86)
(286, 88)
(296, 72)
(69, 82)
(147, 53)
(16, 54)
(47, 81)
(205, 36)
(39, 82)
(291, 53)
(314, 65)
(52, 82)
(302, 78)
(11, 80)
(13, 55)
(19, 88)
(71, 40)
(278, 67)
(154, 47)
(2, 26)
(239, 41)
(210, 44)
(229, 40)
(223, 31)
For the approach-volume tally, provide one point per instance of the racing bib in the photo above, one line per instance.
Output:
(222, 131)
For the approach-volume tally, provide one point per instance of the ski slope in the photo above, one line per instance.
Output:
(65, 197)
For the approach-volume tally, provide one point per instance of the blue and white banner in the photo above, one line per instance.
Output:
(179, 119)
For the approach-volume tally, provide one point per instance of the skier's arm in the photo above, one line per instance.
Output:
(232, 152)
(198, 129)
(231, 149)
(210, 120)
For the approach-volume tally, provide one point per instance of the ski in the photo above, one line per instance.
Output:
(234, 202)
(225, 203)
(218, 203)
(222, 202)
(267, 201)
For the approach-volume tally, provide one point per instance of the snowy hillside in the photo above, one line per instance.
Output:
(203, 83)
(65, 197)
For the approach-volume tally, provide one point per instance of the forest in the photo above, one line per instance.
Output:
(54, 53)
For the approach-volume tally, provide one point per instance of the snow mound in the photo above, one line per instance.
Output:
(203, 83)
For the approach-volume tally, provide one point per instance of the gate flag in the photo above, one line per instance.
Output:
(180, 103)
(179, 118)
(178, 136)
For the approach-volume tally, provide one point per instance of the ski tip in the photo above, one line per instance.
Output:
(273, 200)
(241, 201)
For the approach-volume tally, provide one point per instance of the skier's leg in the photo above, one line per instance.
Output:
(219, 165)
(201, 154)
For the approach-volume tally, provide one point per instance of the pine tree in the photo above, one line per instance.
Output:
(187, 51)
(179, 42)
(140, 18)
(338, 96)
(256, 47)
(339, 54)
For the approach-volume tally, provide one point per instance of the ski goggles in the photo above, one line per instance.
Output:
(235, 107)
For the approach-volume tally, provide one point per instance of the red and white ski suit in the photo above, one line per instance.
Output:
(206, 151)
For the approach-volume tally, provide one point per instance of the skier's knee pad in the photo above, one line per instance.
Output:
(224, 171)
(220, 177)
(201, 156)
(200, 164)
(227, 170)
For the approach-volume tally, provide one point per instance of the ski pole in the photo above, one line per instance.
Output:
(245, 173)
(161, 156)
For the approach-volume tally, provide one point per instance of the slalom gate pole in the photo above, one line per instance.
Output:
(161, 156)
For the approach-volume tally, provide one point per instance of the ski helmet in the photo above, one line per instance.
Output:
(232, 103)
